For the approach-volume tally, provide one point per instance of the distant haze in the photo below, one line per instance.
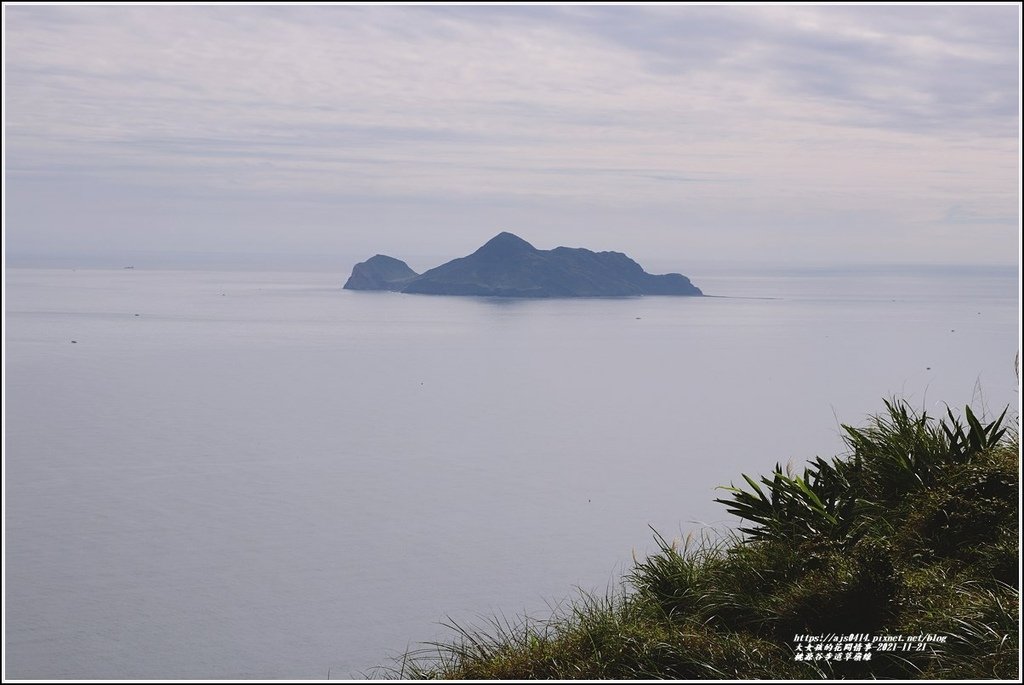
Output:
(777, 134)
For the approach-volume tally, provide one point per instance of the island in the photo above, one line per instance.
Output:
(508, 266)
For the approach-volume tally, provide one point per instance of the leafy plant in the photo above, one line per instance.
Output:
(819, 503)
(899, 452)
(977, 438)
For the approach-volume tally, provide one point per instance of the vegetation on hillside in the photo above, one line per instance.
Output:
(913, 532)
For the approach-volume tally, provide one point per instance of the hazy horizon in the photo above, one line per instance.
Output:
(821, 135)
(342, 263)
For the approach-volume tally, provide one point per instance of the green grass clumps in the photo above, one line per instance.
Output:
(913, 532)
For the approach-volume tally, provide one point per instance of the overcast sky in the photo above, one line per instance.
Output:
(816, 135)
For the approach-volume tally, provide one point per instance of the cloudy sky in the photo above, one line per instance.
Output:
(780, 134)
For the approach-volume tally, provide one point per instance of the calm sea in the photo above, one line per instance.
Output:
(225, 475)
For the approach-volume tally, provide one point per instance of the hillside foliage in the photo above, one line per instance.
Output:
(913, 531)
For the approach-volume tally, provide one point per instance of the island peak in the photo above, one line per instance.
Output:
(380, 272)
(504, 244)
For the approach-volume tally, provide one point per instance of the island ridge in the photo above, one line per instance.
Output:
(508, 266)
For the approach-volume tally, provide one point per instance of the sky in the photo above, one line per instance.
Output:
(817, 135)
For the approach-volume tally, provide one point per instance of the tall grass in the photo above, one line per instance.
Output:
(913, 530)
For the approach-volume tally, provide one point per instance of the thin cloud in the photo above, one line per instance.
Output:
(831, 107)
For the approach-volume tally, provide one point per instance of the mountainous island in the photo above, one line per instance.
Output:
(508, 266)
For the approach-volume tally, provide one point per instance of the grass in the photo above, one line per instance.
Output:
(913, 531)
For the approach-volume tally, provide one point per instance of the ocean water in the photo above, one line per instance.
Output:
(229, 475)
